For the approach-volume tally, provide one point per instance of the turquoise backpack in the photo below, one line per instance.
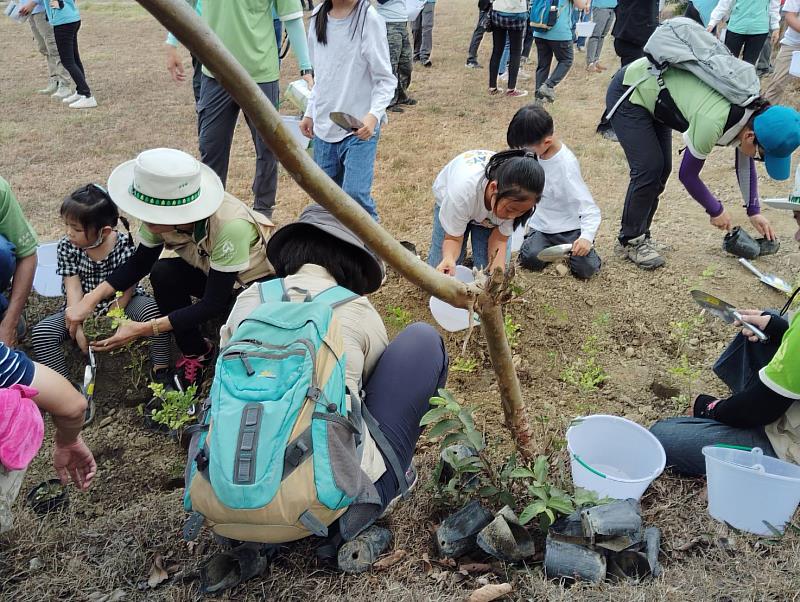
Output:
(274, 458)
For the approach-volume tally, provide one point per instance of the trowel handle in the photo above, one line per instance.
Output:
(754, 329)
(750, 267)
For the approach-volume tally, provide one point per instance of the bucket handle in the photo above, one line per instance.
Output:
(739, 447)
(587, 467)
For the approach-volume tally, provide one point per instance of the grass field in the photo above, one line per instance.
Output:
(642, 329)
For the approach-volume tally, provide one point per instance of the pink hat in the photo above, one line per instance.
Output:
(21, 427)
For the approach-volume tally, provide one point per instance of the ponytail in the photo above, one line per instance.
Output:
(516, 171)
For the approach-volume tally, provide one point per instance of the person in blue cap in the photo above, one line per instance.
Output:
(759, 132)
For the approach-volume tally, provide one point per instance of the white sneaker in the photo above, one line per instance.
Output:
(62, 91)
(84, 102)
(51, 87)
(71, 98)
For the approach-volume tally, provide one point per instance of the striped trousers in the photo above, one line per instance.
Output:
(51, 332)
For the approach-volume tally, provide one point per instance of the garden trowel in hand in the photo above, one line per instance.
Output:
(555, 253)
(725, 311)
(89, 376)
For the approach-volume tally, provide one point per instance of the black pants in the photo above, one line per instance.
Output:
(477, 38)
(410, 371)
(527, 41)
(499, 36)
(648, 149)
(174, 283)
(752, 45)
(627, 51)
(67, 43)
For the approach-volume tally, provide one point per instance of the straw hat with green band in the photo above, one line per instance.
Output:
(167, 187)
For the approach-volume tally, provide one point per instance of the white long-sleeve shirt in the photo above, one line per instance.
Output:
(566, 202)
(352, 72)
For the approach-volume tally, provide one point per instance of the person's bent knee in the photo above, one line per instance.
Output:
(584, 267)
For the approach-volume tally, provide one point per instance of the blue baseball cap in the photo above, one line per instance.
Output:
(778, 132)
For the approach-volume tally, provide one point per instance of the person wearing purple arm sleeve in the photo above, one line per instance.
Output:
(707, 119)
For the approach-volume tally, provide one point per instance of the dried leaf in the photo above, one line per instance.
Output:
(487, 593)
(389, 560)
(476, 567)
(157, 572)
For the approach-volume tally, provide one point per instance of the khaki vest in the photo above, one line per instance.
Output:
(197, 253)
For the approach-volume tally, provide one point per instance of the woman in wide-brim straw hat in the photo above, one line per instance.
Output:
(398, 379)
(763, 409)
(218, 242)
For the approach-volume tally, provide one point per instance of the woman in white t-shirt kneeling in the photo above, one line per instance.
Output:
(482, 195)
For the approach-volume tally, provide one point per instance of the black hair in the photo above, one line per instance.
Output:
(321, 19)
(515, 171)
(758, 106)
(311, 245)
(92, 208)
(530, 125)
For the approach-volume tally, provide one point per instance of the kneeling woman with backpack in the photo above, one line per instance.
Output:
(644, 122)
(218, 246)
(314, 416)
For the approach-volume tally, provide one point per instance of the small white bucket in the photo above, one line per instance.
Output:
(584, 29)
(293, 124)
(794, 67)
(298, 93)
(749, 490)
(46, 282)
(613, 456)
(449, 317)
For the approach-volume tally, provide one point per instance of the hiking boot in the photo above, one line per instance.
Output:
(546, 92)
(427, 63)
(191, 368)
(410, 102)
(51, 87)
(516, 93)
(394, 108)
(62, 92)
(643, 254)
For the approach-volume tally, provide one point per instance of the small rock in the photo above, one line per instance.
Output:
(635, 342)
(106, 421)
(562, 270)
(142, 441)
(35, 564)
(589, 302)
(630, 352)
(694, 342)
(111, 412)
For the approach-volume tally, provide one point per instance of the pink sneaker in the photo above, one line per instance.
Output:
(516, 93)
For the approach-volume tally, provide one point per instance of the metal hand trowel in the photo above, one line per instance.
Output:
(346, 121)
(554, 253)
(768, 279)
(725, 311)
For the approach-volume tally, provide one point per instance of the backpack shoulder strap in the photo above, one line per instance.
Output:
(336, 296)
(272, 291)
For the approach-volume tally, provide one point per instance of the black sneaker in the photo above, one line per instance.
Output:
(427, 63)
(473, 65)
(408, 101)
(164, 377)
(396, 108)
(191, 368)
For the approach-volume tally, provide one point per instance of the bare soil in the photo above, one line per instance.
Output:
(108, 538)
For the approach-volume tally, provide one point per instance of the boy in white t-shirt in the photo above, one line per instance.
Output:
(566, 213)
(790, 43)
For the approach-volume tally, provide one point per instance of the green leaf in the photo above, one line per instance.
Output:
(448, 397)
(531, 511)
(521, 473)
(442, 427)
(465, 416)
(434, 415)
(476, 440)
(471, 468)
(550, 515)
(539, 491)
(454, 438)
(436, 401)
(506, 498)
(561, 505)
(488, 491)
(540, 469)
(773, 529)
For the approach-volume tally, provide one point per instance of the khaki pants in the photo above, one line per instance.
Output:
(10, 482)
(777, 84)
(43, 34)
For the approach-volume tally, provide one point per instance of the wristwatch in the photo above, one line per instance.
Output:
(306, 72)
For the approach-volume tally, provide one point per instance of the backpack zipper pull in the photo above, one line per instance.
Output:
(247, 366)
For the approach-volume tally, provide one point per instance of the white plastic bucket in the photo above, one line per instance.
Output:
(613, 456)
(293, 123)
(584, 29)
(794, 66)
(46, 282)
(449, 317)
(749, 490)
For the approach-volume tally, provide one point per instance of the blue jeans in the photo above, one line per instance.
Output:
(351, 164)
(480, 243)
(8, 264)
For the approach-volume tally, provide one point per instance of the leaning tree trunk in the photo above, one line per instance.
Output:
(179, 18)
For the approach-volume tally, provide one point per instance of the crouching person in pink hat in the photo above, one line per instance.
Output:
(27, 389)
(218, 245)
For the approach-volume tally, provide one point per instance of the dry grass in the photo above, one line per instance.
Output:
(108, 538)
